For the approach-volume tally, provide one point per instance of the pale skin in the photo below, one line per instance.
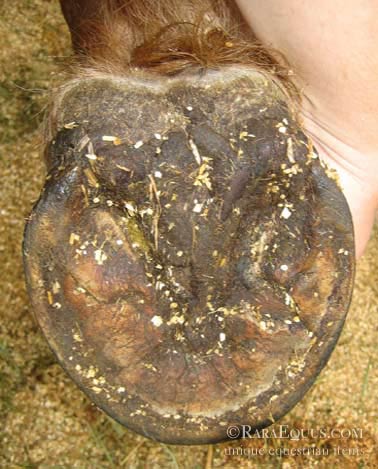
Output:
(331, 46)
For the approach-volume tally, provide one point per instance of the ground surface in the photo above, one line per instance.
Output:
(45, 421)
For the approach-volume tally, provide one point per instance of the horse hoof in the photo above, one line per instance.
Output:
(190, 260)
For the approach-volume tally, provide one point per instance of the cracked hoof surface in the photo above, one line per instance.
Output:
(190, 259)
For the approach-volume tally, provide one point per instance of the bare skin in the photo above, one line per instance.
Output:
(331, 48)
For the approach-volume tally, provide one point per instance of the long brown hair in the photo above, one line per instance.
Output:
(166, 37)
